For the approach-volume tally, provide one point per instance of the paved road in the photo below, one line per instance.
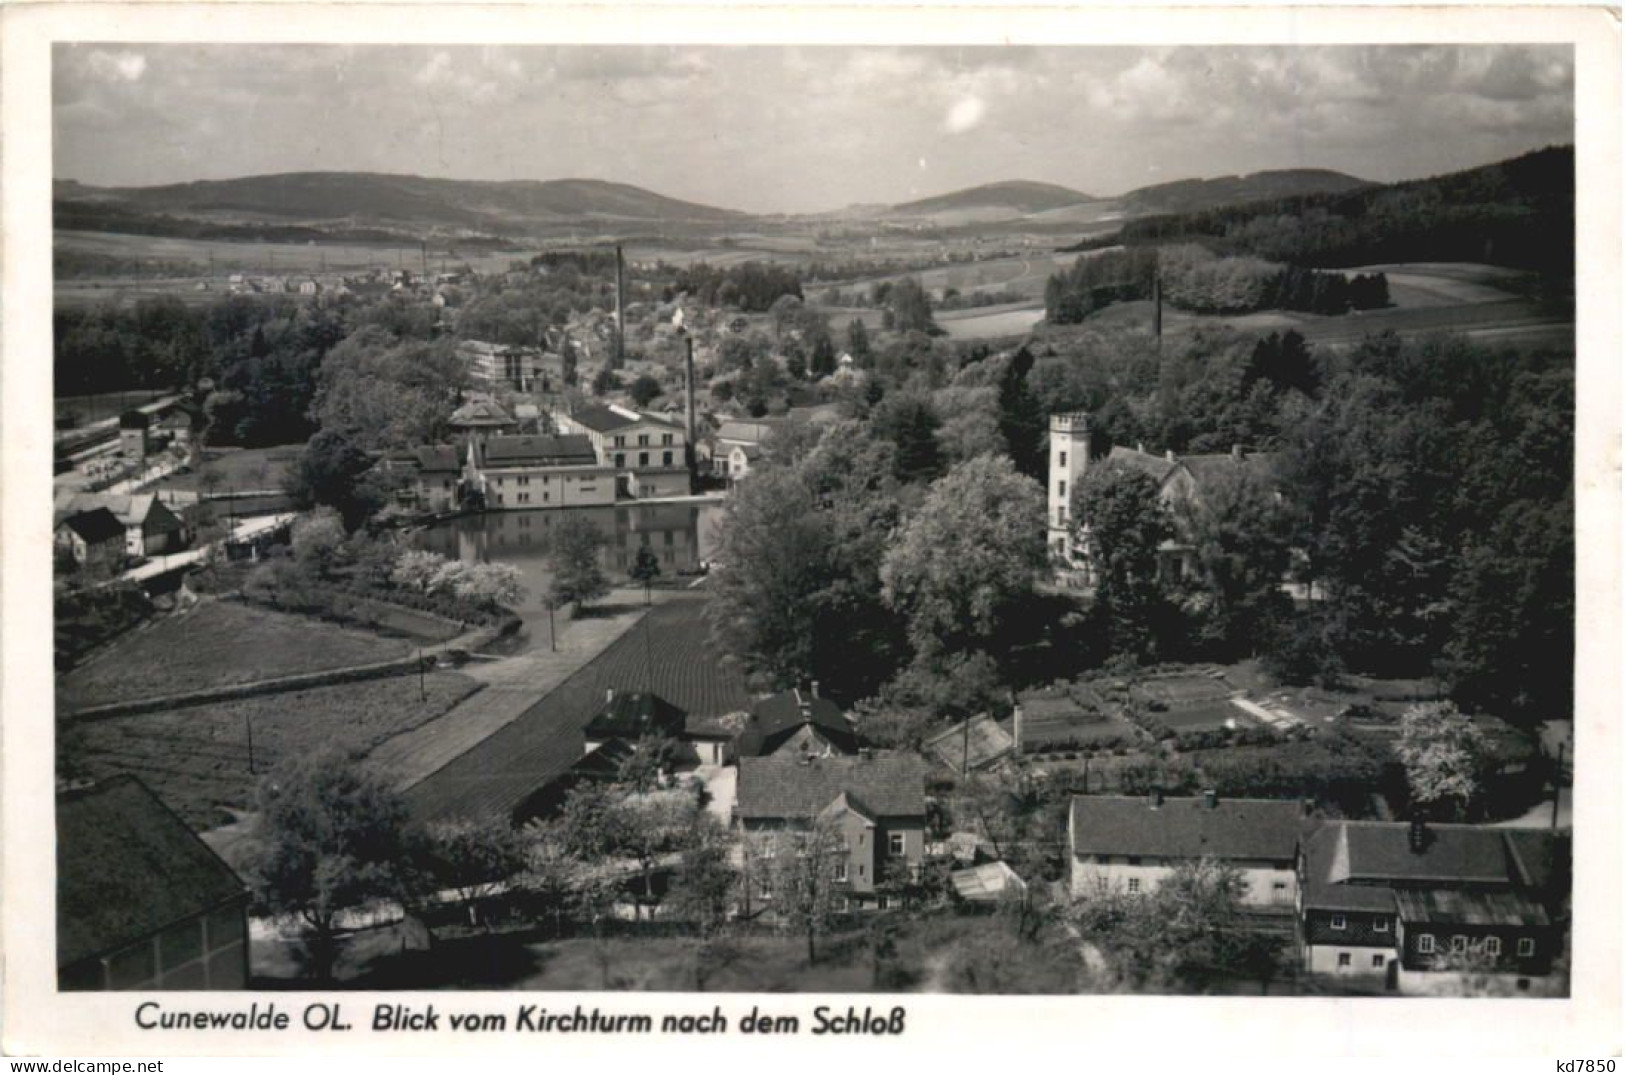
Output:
(512, 685)
(164, 564)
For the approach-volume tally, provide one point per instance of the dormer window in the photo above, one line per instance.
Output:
(1340, 921)
(1526, 946)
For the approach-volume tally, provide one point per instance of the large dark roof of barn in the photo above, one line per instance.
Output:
(634, 714)
(128, 867)
(1347, 863)
(784, 786)
(773, 719)
(538, 450)
(95, 526)
(1186, 828)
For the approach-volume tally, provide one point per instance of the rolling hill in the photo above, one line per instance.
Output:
(1192, 195)
(1013, 198)
(390, 201)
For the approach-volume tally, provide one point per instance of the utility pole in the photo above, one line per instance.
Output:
(423, 690)
(248, 719)
(1557, 784)
(552, 633)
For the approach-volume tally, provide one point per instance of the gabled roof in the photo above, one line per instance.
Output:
(887, 785)
(1186, 828)
(753, 432)
(1212, 467)
(95, 526)
(481, 411)
(634, 714)
(1357, 865)
(437, 459)
(1468, 907)
(537, 449)
(773, 720)
(131, 509)
(601, 419)
(127, 867)
(986, 883)
(1157, 466)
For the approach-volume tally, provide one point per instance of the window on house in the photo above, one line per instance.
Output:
(1279, 886)
(894, 843)
(643, 440)
(1424, 943)
(1492, 946)
(665, 458)
(764, 888)
(1062, 459)
(643, 459)
(1526, 946)
(1458, 943)
(840, 869)
(1377, 961)
(1134, 860)
(883, 903)
(665, 438)
(1134, 884)
(1061, 487)
(1379, 925)
(1344, 959)
(1340, 922)
(620, 459)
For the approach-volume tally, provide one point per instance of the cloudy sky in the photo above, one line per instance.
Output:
(801, 129)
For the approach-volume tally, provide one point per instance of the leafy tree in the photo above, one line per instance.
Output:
(652, 757)
(969, 423)
(1120, 520)
(773, 548)
(473, 858)
(1238, 533)
(645, 569)
(644, 389)
(332, 836)
(801, 867)
(960, 566)
(331, 472)
(823, 360)
(908, 308)
(572, 558)
(1443, 753)
(705, 881)
(1185, 935)
(910, 424)
(317, 539)
(857, 343)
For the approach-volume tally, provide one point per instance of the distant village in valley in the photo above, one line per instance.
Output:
(1009, 592)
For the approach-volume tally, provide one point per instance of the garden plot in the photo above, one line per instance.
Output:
(1062, 723)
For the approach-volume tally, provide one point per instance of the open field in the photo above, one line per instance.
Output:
(196, 758)
(992, 322)
(238, 468)
(215, 644)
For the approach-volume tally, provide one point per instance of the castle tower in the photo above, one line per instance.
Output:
(1068, 459)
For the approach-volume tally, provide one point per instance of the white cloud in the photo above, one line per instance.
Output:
(125, 66)
(965, 114)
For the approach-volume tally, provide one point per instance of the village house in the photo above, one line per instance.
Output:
(481, 416)
(737, 445)
(646, 451)
(151, 528)
(795, 722)
(537, 471)
(499, 365)
(1179, 479)
(92, 539)
(875, 804)
(141, 902)
(1132, 843)
(425, 478)
(628, 716)
(1411, 903)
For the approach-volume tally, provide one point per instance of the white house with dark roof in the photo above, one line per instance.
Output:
(875, 803)
(499, 365)
(538, 471)
(1403, 901)
(1132, 843)
(426, 478)
(646, 451)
